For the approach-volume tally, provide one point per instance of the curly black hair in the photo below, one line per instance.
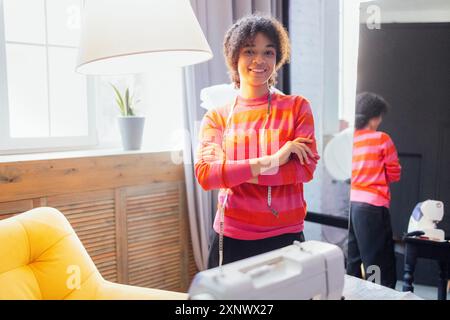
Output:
(244, 31)
(368, 106)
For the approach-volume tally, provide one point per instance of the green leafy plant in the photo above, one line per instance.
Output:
(125, 102)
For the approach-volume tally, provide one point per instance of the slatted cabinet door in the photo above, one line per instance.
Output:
(11, 208)
(192, 266)
(92, 215)
(154, 236)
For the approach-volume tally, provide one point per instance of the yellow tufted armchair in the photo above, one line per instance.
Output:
(41, 257)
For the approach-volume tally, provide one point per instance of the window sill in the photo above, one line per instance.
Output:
(75, 154)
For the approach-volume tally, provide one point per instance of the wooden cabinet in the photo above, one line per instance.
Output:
(128, 210)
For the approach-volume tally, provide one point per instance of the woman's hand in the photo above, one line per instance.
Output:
(211, 152)
(299, 146)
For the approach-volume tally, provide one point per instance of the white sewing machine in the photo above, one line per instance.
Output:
(424, 218)
(308, 270)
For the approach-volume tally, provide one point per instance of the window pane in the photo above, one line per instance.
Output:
(68, 98)
(107, 110)
(63, 21)
(161, 95)
(25, 20)
(27, 90)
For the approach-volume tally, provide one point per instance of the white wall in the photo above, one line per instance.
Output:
(306, 35)
(314, 29)
(313, 42)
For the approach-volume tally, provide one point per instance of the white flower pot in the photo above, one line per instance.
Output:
(131, 131)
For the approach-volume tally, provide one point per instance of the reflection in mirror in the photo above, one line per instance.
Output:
(375, 166)
(404, 58)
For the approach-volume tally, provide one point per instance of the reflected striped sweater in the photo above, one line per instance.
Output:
(375, 165)
(247, 215)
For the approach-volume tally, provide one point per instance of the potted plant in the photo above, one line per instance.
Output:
(131, 126)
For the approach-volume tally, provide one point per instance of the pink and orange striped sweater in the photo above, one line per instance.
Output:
(374, 166)
(247, 215)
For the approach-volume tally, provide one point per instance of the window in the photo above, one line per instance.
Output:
(44, 103)
(46, 106)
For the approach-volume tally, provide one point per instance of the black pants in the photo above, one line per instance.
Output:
(234, 249)
(370, 243)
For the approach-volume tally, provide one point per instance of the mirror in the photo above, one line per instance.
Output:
(404, 57)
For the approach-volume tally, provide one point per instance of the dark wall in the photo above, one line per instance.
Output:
(409, 65)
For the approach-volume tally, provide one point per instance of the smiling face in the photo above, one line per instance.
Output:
(257, 62)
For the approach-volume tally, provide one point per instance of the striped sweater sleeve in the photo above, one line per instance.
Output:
(218, 174)
(293, 171)
(391, 162)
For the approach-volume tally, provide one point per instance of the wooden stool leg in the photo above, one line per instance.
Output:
(443, 278)
(409, 267)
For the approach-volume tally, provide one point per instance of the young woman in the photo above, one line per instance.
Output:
(259, 150)
(375, 165)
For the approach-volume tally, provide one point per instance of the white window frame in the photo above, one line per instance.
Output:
(10, 145)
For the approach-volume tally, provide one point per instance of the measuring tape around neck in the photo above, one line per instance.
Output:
(224, 203)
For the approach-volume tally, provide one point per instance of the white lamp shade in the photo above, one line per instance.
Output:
(134, 36)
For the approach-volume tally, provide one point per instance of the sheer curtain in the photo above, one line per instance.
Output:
(215, 18)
